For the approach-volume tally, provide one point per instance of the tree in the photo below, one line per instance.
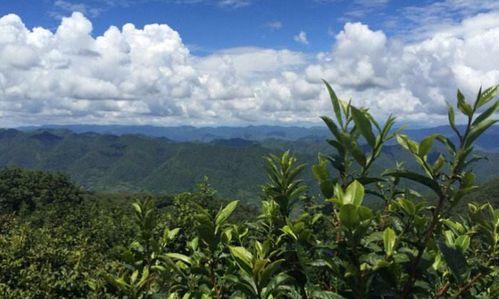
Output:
(20, 188)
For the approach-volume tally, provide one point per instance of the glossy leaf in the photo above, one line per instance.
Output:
(364, 125)
(354, 194)
(477, 130)
(454, 259)
(486, 96)
(349, 215)
(225, 213)
(426, 144)
(335, 101)
(389, 238)
(243, 257)
(464, 107)
(417, 178)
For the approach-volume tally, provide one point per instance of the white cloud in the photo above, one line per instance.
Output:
(148, 75)
(67, 6)
(274, 25)
(422, 20)
(220, 3)
(252, 62)
(234, 3)
(301, 38)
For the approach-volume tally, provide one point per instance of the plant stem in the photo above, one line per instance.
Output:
(213, 279)
(467, 286)
(429, 232)
(442, 291)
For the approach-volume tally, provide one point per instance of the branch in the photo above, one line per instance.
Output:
(413, 272)
(467, 286)
(442, 291)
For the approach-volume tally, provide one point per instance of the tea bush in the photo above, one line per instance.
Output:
(334, 246)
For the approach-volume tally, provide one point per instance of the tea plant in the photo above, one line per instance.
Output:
(334, 245)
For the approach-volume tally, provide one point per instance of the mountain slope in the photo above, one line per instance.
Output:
(488, 142)
(134, 163)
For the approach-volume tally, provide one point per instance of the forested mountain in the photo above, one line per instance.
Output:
(190, 133)
(489, 141)
(134, 163)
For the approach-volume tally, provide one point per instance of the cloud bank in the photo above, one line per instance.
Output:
(147, 75)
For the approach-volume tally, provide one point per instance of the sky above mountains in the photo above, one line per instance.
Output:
(239, 62)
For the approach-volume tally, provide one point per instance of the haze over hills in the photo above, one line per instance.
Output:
(488, 142)
(135, 163)
(191, 133)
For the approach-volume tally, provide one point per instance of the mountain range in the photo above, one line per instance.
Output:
(488, 142)
(139, 163)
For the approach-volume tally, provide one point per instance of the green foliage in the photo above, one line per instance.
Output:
(284, 188)
(24, 189)
(259, 275)
(338, 247)
(62, 250)
(300, 245)
(133, 163)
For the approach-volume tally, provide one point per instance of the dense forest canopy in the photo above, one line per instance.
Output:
(311, 234)
(137, 163)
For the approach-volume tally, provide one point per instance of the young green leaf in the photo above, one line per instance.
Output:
(225, 213)
(289, 231)
(349, 215)
(179, 257)
(389, 238)
(487, 113)
(407, 143)
(407, 206)
(462, 242)
(464, 107)
(477, 130)
(486, 96)
(354, 194)
(364, 125)
(365, 213)
(243, 257)
(452, 119)
(335, 101)
(425, 144)
(332, 127)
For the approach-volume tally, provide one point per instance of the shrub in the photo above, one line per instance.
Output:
(27, 189)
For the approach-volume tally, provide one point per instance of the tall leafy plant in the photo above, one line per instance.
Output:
(336, 245)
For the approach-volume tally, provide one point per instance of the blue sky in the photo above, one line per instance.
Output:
(240, 62)
(209, 25)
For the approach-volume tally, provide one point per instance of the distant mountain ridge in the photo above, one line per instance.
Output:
(138, 163)
(488, 142)
(190, 133)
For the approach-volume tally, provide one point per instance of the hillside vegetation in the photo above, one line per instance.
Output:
(427, 239)
(134, 163)
(489, 141)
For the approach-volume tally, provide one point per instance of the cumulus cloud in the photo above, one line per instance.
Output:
(148, 75)
(301, 38)
(413, 80)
